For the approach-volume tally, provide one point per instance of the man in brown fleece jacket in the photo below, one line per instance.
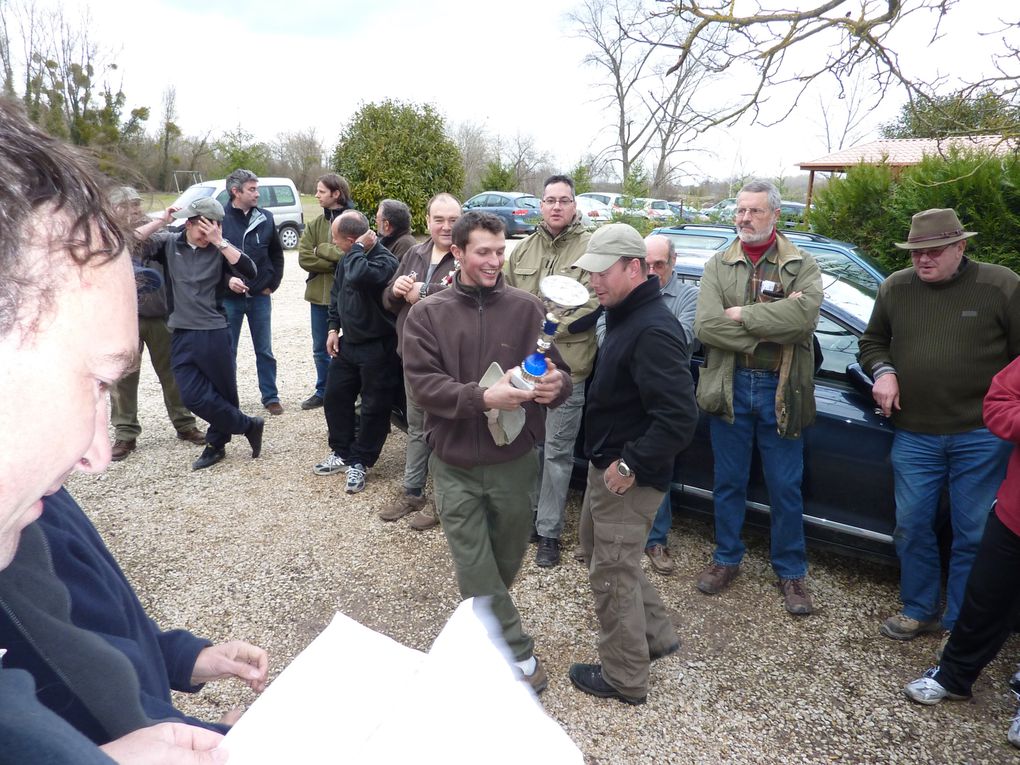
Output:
(481, 488)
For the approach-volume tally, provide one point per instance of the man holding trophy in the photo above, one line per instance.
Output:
(463, 348)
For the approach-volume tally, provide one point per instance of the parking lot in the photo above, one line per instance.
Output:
(266, 551)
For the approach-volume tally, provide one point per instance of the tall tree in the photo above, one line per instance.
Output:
(955, 114)
(398, 150)
(238, 148)
(299, 155)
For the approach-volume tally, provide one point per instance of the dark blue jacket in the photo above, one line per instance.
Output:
(101, 602)
(255, 235)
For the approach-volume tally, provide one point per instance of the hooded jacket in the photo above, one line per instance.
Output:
(789, 322)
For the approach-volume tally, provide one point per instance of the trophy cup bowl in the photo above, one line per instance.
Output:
(561, 295)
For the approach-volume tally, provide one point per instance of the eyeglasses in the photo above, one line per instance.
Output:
(754, 212)
(561, 201)
(932, 252)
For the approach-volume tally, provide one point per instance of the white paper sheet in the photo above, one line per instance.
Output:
(356, 696)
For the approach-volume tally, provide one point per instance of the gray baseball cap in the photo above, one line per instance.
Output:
(608, 245)
(207, 207)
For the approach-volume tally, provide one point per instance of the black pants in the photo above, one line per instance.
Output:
(373, 370)
(205, 371)
(991, 603)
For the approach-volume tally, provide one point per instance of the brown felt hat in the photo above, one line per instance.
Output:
(934, 228)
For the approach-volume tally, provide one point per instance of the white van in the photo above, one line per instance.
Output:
(278, 195)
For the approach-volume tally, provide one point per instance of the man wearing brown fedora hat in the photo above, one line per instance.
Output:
(940, 330)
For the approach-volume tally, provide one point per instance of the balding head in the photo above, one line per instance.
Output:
(661, 257)
(347, 227)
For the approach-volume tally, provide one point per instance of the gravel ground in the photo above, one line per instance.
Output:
(266, 551)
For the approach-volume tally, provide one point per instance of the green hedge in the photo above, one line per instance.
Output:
(872, 208)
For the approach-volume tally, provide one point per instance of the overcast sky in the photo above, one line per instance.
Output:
(512, 67)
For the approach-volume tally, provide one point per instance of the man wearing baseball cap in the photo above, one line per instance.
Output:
(206, 266)
(640, 414)
(940, 330)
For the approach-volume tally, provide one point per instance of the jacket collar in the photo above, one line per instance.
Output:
(786, 252)
(643, 293)
(574, 228)
(479, 294)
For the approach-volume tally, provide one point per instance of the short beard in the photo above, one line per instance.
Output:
(749, 237)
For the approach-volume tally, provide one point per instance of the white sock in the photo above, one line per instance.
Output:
(527, 666)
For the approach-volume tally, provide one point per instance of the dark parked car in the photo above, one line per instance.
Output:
(520, 212)
(848, 482)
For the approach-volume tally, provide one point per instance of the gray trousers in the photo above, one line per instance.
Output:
(485, 513)
(561, 427)
(416, 464)
(154, 335)
(632, 618)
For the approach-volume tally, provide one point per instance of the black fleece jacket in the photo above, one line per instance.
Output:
(640, 402)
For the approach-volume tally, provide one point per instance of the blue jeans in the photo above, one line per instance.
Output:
(973, 464)
(320, 329)
(754, 408)
(662, 524)
(259, 310)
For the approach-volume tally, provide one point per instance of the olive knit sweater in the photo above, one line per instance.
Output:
(945, 341)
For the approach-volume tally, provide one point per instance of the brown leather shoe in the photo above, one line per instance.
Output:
(424, 519)
(401, 506)
(716, 578)
(121, 449)
(659, 557)
(275, 408)
(194, 435)
(796, 597)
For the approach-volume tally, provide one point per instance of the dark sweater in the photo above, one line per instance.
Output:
(450, 339)
(640, 403)
(945, 340)
(70, 617)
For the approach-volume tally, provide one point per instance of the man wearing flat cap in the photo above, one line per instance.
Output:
(200, 267)
(940, 330)
(640, 414)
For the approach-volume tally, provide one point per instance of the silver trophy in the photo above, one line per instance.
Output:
(561, 295)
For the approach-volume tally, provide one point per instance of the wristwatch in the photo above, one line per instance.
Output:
(423, 291)
(624, 469)
(223, 244)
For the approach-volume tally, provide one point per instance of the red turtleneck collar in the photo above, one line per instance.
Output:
(755, 251)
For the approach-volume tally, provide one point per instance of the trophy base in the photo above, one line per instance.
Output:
(518, 381)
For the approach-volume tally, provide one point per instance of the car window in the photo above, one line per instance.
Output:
(839, 347)
(284, 196)
(532, 203)
(603, 198)
(659, 206)
(222, 197)
(266, 196)
(844, 282)
(497, 200)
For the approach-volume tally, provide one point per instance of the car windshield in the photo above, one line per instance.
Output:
(530, 202)
(191, 194)
(845, 283)
(695, 242)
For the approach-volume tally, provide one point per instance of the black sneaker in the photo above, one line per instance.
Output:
(254, 435)
(210, 456)
(548, 554)
(588, 678)
(312, 402)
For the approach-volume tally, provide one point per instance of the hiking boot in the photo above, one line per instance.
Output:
(927, 690)
(796, 597)
(254, 435)
(548, 554)
(538, 679)
(312, 402)
(588, 678)
(275, 408)
(425, 518)
(902, 627)
(193, 435)
(403, 505)
(659, 557)
(334, 463)
(210, 456)
(355, 478)
(122, 449)
(716, 578)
